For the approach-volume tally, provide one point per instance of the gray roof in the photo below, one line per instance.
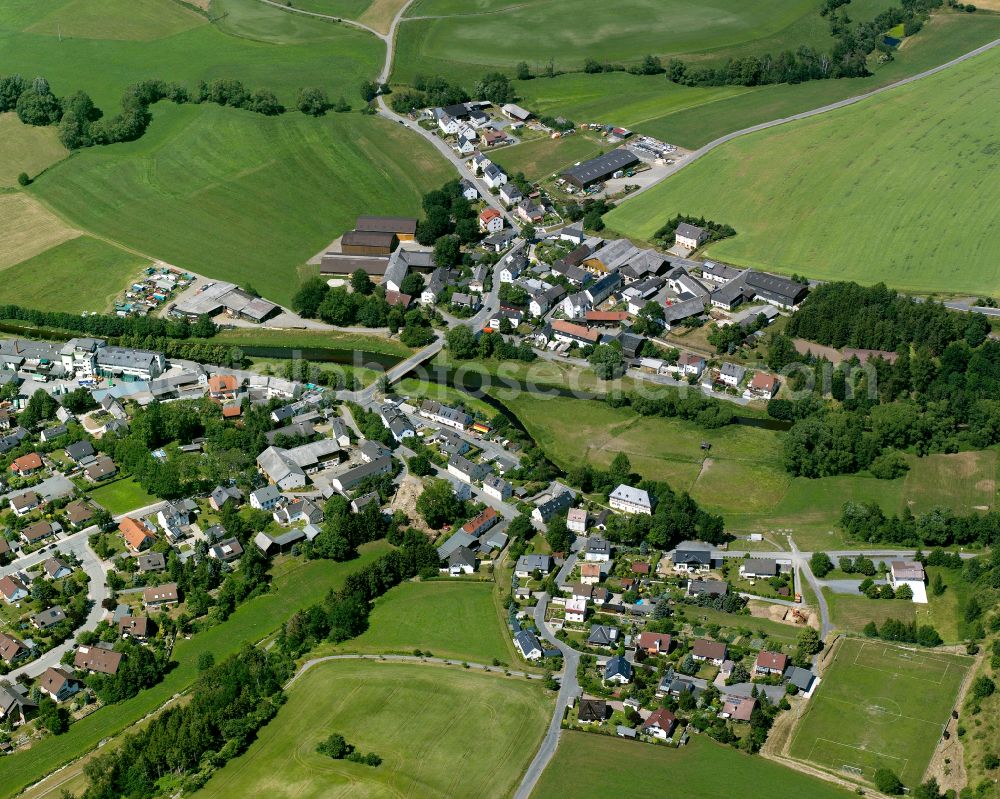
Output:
(462, 556)
(617, 665)
(601, 167)
(733, 370)
(799, 677)
(266, 494)
(527, 641)
(79, 450)
(459, 539)
(635, 496)
(602, 635)
(528, 563)
(275, 463)
(775, 287)
(126, 358)
(690, 231)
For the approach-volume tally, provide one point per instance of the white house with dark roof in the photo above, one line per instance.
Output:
(630, 500)
(909, 573)
(690, 236)
(732, 374)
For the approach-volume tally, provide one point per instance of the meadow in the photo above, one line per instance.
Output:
(879, 705)
(309, 339)
(590, 766)
(42, 281)
(71, 42)
(29, 228)
(26, 149)
(451, 619)
(742, 476)
(900, 170)
(440, 731)
(295, 585)
(242, 197)
(452, 42)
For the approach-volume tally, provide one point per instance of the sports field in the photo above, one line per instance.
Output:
(440, 731)
(879, 705)
(442, 37)
(590, 766)
(241, 197)
(450, 619)
(871, 192)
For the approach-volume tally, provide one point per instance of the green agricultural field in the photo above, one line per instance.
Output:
(29, 228)
(26, 149)
(258, 44)
(879, 705)
(590, 766)
(451, 619)
(349, 9)
(440, 731)
(296, 584)
(50, 280)
(242, 197)
(121, 496)
(454, 42)
(913, 166)
(946, 613)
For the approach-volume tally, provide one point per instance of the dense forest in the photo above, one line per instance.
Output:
(932, 387)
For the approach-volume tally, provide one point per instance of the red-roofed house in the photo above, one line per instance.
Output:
(654, 643)
(712, 651)
(136, 534)
(481, 523)
(770, 663)
(567, 331)
(27, 464)
(738, 708)
(605, 317)
(660, 724)
(222, 387)
(491, 221)
(764, 385)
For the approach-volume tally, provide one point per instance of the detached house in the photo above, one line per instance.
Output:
(770, 663)
(732, 374)
(58, 684)
(136, 534)
(618, 670)
(654, 643)
(630, 500)
(491, 221)
(690, 236)
(493, 176)
(27, 464)
(98, 659)
(712, 651)
(660, 724)
(510, 194)
(691, 556)
(160, 596)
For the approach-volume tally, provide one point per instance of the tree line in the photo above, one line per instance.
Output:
(107, 326)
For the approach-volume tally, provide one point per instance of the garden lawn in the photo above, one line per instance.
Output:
(786, 633)
(450, 619)
(51, 280)
(26, 149)
(946, 613)
(588, 766)
(440, 731)
(242, 197)
(897, 175)
(879, 705)
(297, 584)
(121, 496)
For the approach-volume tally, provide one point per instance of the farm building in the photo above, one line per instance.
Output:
(601, 168)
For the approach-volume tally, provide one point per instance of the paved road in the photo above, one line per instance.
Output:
(673, 169)
(412, 659)
(569, 689)
(97, 592)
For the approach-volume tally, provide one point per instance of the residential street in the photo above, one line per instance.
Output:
(569, 689)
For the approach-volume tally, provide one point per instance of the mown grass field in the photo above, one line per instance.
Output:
(29, 228)
(851, 612)
(595, 766)
(897, 174)
(45, 280)
(242, 197)
(72, 42)
(455, 619)
(121, 496)
(440, 731)
(296, 584)
(26, 149)
(463, 40)
(743, 476)
(539, 158)
(879, 705)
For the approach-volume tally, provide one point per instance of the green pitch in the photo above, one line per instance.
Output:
(879, 706)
